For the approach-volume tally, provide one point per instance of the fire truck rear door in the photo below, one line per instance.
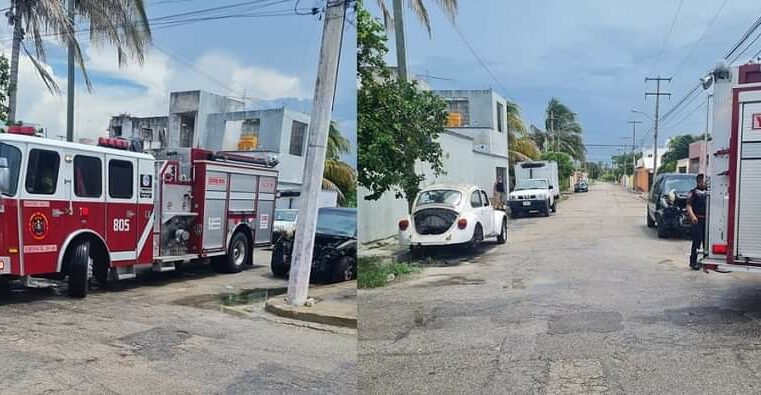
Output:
(748, 210)
(122, 221)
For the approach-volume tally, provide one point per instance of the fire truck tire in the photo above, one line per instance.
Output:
(238, 254)
(80, 268)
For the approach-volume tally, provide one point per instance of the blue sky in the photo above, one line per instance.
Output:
(272, 60)
(591, 54)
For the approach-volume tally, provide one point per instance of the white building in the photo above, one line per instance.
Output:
(474, 151)
(205, 120)
(646, 160)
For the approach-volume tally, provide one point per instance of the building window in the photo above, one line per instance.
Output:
(42, 172)
(88, 176)
(249, 135)
(117, 131)
(298, 132)
(146, 134)
(500, 117)
(187, 123)
(120, 179)
(460, 108)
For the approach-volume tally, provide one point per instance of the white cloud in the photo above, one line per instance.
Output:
(146, 88)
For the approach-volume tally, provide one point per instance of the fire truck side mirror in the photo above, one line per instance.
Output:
(5, 175)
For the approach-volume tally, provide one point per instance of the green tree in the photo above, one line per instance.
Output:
(624, 163)
(398, 125)
(565, 166)
(594, 170)
(679, 148)
(565, 132)
(520, 145)
(121, 23)
(4, 83)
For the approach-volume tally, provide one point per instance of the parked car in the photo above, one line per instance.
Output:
(285, 222)
(335, 247)
(452, 214)
(667, 203)
(581, 186)
(532, 195)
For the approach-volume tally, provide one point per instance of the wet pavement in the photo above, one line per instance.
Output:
(587, 300)
(169, 333)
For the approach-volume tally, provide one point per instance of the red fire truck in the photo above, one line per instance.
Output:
(106, 212)
(733, 221)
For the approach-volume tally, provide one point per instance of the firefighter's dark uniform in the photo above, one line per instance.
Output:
(697, 200)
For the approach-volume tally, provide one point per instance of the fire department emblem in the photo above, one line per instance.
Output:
(38, 225)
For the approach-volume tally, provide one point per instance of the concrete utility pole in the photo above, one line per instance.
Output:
(401, 51)
(657, 95)
(324, 92)
(70, 84)
(634, 157)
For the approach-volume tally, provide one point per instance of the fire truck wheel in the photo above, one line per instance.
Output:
(238, 254)
(80, 268)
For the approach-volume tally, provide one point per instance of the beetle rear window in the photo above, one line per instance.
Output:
(439, 196)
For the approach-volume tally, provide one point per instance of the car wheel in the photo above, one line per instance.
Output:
(554, 206)
(80, 270)
(650, 222)
(478, 236)
(238, 253)
(277, 263)
(546, 211)
(662, 232)
(502, 238)
(343, 270)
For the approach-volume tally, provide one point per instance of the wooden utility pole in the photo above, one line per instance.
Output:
(324, 92)
(657, 95)
(401, 51)
(70, 82)
(634, 157)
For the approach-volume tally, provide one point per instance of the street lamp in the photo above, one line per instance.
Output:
(634, 110)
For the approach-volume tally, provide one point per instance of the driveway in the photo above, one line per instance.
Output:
(587, 300)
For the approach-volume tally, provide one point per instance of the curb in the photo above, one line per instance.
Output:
(279, 307)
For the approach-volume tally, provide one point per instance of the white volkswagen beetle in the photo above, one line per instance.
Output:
(450, 214)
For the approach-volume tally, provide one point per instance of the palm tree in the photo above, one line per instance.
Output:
(565, 132)
(121, 23)
(338, 175)
(418, 7)
(520, 145)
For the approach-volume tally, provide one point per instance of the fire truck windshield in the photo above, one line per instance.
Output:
(13, 156)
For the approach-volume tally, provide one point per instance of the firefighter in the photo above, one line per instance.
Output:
(696, 210)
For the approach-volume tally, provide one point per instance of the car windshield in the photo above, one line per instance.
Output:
(12, 155)
(286, 215)
(337, 222)
(531, 184)
(679, 184)
(439, 196)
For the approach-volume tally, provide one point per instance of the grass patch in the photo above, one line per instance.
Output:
(372, 272)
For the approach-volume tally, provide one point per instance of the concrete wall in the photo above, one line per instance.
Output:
(378, 219)
(642, 179)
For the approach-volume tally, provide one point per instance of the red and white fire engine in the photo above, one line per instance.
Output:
(733, 221)
(106, 212)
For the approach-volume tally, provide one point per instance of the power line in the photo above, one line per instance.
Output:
(702, 36)
(668, 36)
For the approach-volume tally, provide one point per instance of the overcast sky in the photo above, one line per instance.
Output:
(273, 60)
(591, 54)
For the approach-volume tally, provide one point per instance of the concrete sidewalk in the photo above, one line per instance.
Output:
(334, 304)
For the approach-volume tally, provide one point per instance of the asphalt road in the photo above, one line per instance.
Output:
(165, 333)
(587, 300)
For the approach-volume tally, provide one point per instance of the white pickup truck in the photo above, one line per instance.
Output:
(449, 214)
(534, 194)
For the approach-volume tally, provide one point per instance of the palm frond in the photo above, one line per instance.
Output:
(45, 75)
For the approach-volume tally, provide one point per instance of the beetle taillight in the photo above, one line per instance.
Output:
(462, 223)
(404, 224)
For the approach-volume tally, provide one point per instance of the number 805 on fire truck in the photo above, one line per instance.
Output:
(103, 213)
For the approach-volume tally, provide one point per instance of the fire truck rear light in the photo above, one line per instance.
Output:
(13, 250)
(719, 249)
(462, 223)
(404, 224)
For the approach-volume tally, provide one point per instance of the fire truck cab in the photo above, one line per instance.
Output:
(105, 212)
(733, 220)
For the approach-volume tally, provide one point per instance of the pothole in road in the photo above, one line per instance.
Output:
(255, 296)
(705, 315)
(454, 280)
(590, 321)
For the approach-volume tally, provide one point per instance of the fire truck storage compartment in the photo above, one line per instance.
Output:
(214, 213)
(749, 186)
